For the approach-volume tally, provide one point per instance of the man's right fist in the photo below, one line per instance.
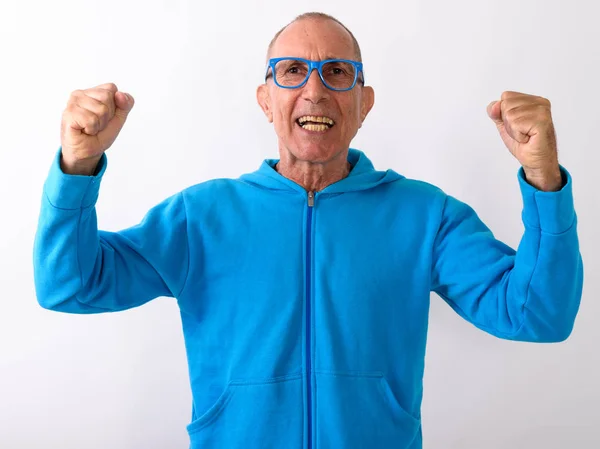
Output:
(90, 124)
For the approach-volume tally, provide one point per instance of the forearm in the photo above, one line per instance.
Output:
(550, 248)
(531, 294)
(545, 285)
(66, 242)
(80, 269)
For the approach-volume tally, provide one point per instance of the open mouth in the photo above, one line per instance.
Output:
(315, 123)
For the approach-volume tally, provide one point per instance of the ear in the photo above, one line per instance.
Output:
(368, 100)
(264, 101)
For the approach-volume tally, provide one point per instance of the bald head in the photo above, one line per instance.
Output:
(318, 16)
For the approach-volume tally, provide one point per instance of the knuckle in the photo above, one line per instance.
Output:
(71, 114)
(106, 97)
(66, 117)
(512, 115)
(543, 107)
(92, 120)
(520, 119)
(73, 96)
(104, 110)
(69, 109)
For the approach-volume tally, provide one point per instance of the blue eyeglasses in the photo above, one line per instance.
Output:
(336, 74)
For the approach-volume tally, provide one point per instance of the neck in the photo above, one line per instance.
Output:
(313, 176)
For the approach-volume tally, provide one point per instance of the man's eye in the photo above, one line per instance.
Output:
(335, 71)
(293, 69)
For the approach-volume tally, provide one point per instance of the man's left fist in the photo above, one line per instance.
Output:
(525, 125)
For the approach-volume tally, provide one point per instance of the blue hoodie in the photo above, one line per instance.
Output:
(305, 316)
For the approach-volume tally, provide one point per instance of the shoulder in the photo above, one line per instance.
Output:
(417, 190)
(212, 188)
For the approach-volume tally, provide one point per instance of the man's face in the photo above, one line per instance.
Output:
(314, 39)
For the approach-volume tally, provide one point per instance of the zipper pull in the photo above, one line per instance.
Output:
(311, 199)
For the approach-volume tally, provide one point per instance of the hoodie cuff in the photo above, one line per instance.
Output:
(552, 212)
(66, 191)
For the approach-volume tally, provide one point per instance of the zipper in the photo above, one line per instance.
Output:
(311, 203)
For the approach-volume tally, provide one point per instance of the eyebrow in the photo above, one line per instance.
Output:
(326, 57)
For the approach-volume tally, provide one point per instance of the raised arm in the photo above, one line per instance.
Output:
(531, 294)
(78, 268)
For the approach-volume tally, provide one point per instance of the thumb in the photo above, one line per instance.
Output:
(495, 112)
(124, 103)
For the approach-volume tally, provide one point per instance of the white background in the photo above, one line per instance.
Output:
(120, 380)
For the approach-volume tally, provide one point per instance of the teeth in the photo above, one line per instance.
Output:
(316, 119)
(311, 127)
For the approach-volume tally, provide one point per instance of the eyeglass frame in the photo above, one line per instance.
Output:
(318, 65)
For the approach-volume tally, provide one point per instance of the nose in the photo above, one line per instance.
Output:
(314, 90)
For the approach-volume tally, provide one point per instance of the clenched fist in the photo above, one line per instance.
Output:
(526, 127)
(90, 124)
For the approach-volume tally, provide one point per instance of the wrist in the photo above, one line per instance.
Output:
(79, 167)
(547, 179)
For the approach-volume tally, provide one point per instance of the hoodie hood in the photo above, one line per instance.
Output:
(362, 176)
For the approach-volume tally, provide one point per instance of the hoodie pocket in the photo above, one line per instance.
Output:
(358, 410)
(265, 414)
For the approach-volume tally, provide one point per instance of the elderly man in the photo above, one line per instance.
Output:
(304, 286)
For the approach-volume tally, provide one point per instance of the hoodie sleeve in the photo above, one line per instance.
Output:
(532, 294)
(80, 269)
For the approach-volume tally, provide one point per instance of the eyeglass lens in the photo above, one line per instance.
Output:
(337, 74)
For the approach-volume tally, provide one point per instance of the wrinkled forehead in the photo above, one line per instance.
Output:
(314, 39)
